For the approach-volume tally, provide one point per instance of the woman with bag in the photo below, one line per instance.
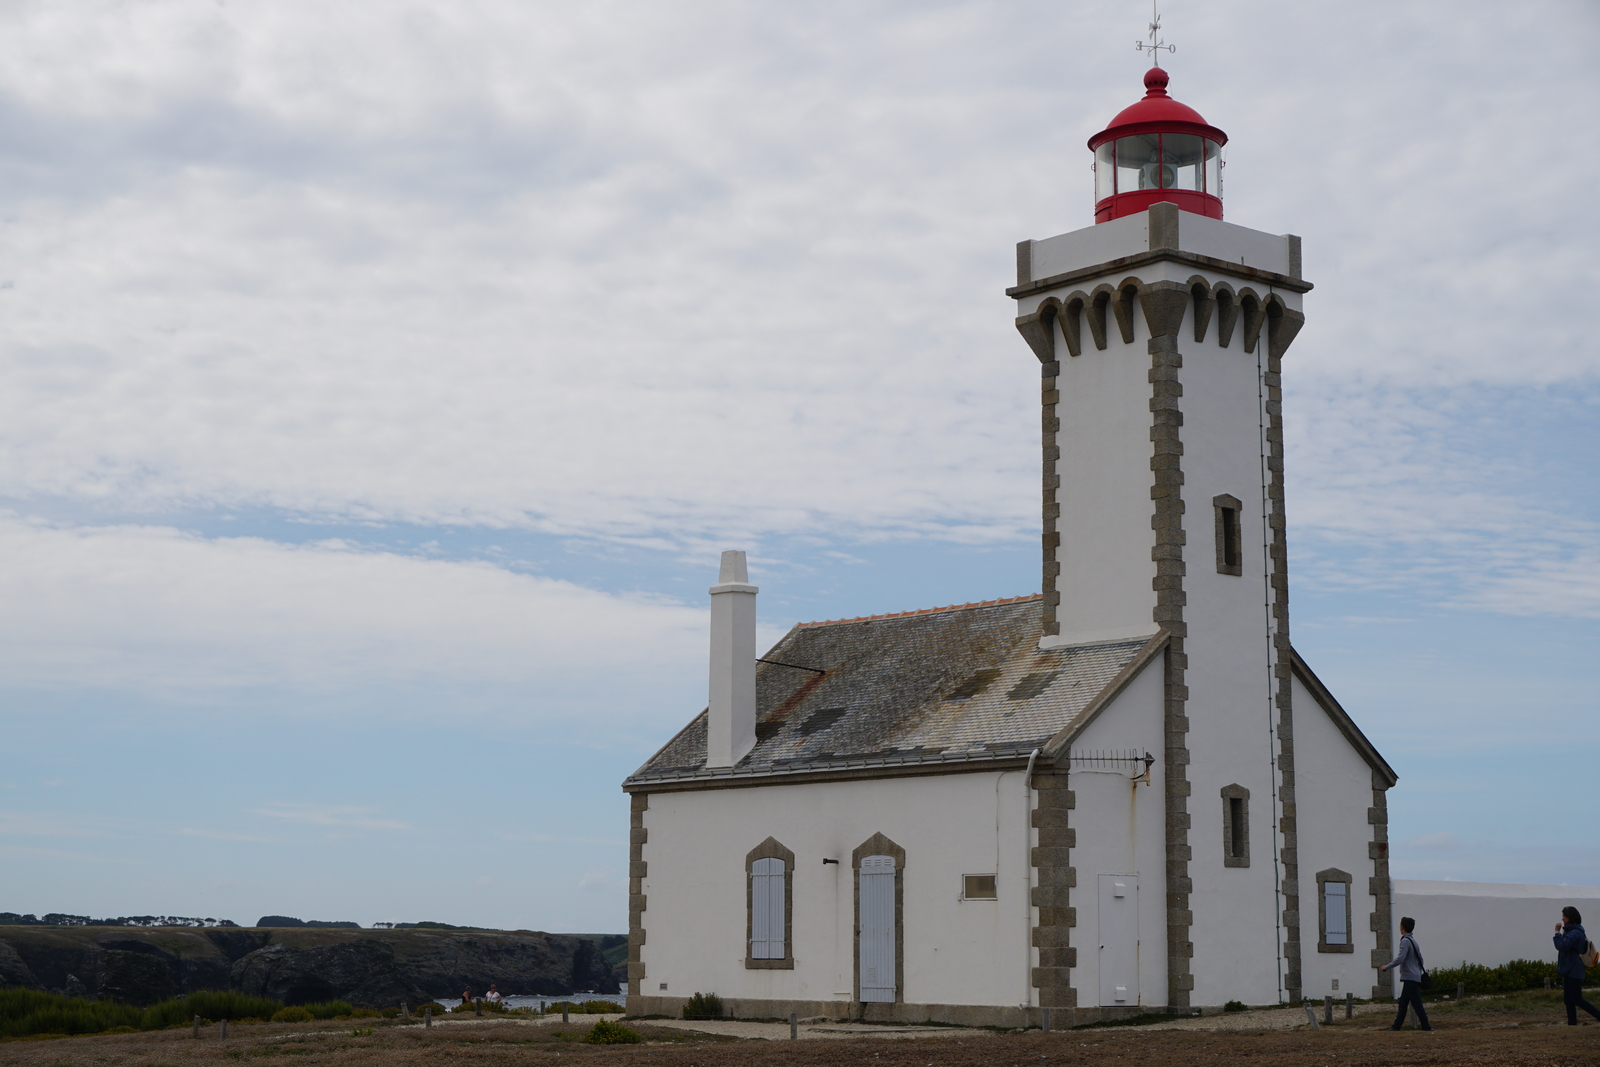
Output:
(1412, 976)
(1572, 946)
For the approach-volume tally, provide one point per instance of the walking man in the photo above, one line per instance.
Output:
(1409, 960)
(1571, 944)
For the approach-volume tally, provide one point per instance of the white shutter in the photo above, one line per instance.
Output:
(1333, 914)
(878, 978)
(766, 909)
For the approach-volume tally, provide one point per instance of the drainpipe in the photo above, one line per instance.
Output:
(1027, 885)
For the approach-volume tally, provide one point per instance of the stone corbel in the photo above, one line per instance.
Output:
(1038, 329)
(1164, 304)
(1099, 300)
(1122, 306)
(1254, 314)
(1283, 325)
(1204, 303)
(1071, 319)
(1227, 312)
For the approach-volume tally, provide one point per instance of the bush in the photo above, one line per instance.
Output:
(330, 1009)
(420, 1009)
(703, 1006)
(1234, 1005)
(294, 1014)
(588, 1007)
(1506, 978)
(24, 1012)
(211, 1006)
(606, 1032)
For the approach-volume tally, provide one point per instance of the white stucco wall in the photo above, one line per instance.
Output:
(1488, 922)
(1333, 789)
(1105, 491)
(1230, 708)
(1121, 829)
(955, 951)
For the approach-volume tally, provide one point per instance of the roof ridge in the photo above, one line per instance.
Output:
(923, 611)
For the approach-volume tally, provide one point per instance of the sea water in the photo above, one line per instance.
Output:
(619, 999)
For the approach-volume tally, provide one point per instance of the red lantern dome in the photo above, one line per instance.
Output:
(1157, 151)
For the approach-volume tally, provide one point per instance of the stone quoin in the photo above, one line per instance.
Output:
(1126, 793)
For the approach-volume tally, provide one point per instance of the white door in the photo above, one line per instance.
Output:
(877, 929)
(1119, 940)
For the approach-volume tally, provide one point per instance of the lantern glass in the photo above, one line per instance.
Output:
(1137, 162)
(1182, 154)
(1213, 169)
(1105, 172)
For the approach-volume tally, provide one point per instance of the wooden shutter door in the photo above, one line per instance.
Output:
(878, 978)
(766, 909)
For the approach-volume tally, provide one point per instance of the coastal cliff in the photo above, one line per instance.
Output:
(368, 968)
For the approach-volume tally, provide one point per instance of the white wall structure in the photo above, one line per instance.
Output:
(1488, 923)
(1127, 793)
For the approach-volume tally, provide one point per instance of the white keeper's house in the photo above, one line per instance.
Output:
(1126, 794)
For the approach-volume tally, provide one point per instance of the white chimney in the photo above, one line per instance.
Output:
(731, 726)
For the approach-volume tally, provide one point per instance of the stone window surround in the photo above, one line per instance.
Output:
(771, 848)
(1333, 874)
(879, 845)
(1231, 856)
(1229, 512)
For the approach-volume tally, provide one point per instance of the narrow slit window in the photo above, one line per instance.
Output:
(978, 887)
(1230, 542)
(1235, 826)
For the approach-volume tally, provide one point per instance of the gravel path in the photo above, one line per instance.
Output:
(1267, 1018)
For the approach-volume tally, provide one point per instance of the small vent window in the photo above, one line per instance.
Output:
(978, 887)
(1032, 685)
(974, 685)
(1236, 824)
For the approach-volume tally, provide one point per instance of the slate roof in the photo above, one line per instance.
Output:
(941, 685)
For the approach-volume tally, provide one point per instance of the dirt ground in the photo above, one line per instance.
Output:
(1527, 1029)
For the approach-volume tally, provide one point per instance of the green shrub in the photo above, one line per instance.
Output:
(1234, 1005)
(438, 1009)
(293, 1014)
(25, 1012)
(606, 1032)
(329, 1009)
(588, 1007)
(703, 1006)
(211, 1006)
(1507, 978)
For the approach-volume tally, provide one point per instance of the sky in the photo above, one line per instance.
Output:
(382, 380)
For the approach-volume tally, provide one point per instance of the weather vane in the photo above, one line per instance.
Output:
(1156, 45)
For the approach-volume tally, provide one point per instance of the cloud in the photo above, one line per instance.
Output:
(156, 608)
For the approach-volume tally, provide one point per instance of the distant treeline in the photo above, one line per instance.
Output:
(56, 918)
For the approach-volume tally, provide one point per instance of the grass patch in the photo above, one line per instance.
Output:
(606, 1032)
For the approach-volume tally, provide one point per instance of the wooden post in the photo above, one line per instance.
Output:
(1461, 991)
(427, 1015)
(477, 1006)
(197, 1027)
(794, 1025)
(1311, 1015)
(565, 1007)
(1349, 1005)
(224, 1030)
(405, 1010)
(1327, 1009)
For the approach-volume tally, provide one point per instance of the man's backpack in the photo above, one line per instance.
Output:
(1591, 955)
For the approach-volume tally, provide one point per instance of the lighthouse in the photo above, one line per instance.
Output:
(1123, 794)
(1160, 333)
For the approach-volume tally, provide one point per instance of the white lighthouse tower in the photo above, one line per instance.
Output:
(1124, 794)
(1159, 333)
